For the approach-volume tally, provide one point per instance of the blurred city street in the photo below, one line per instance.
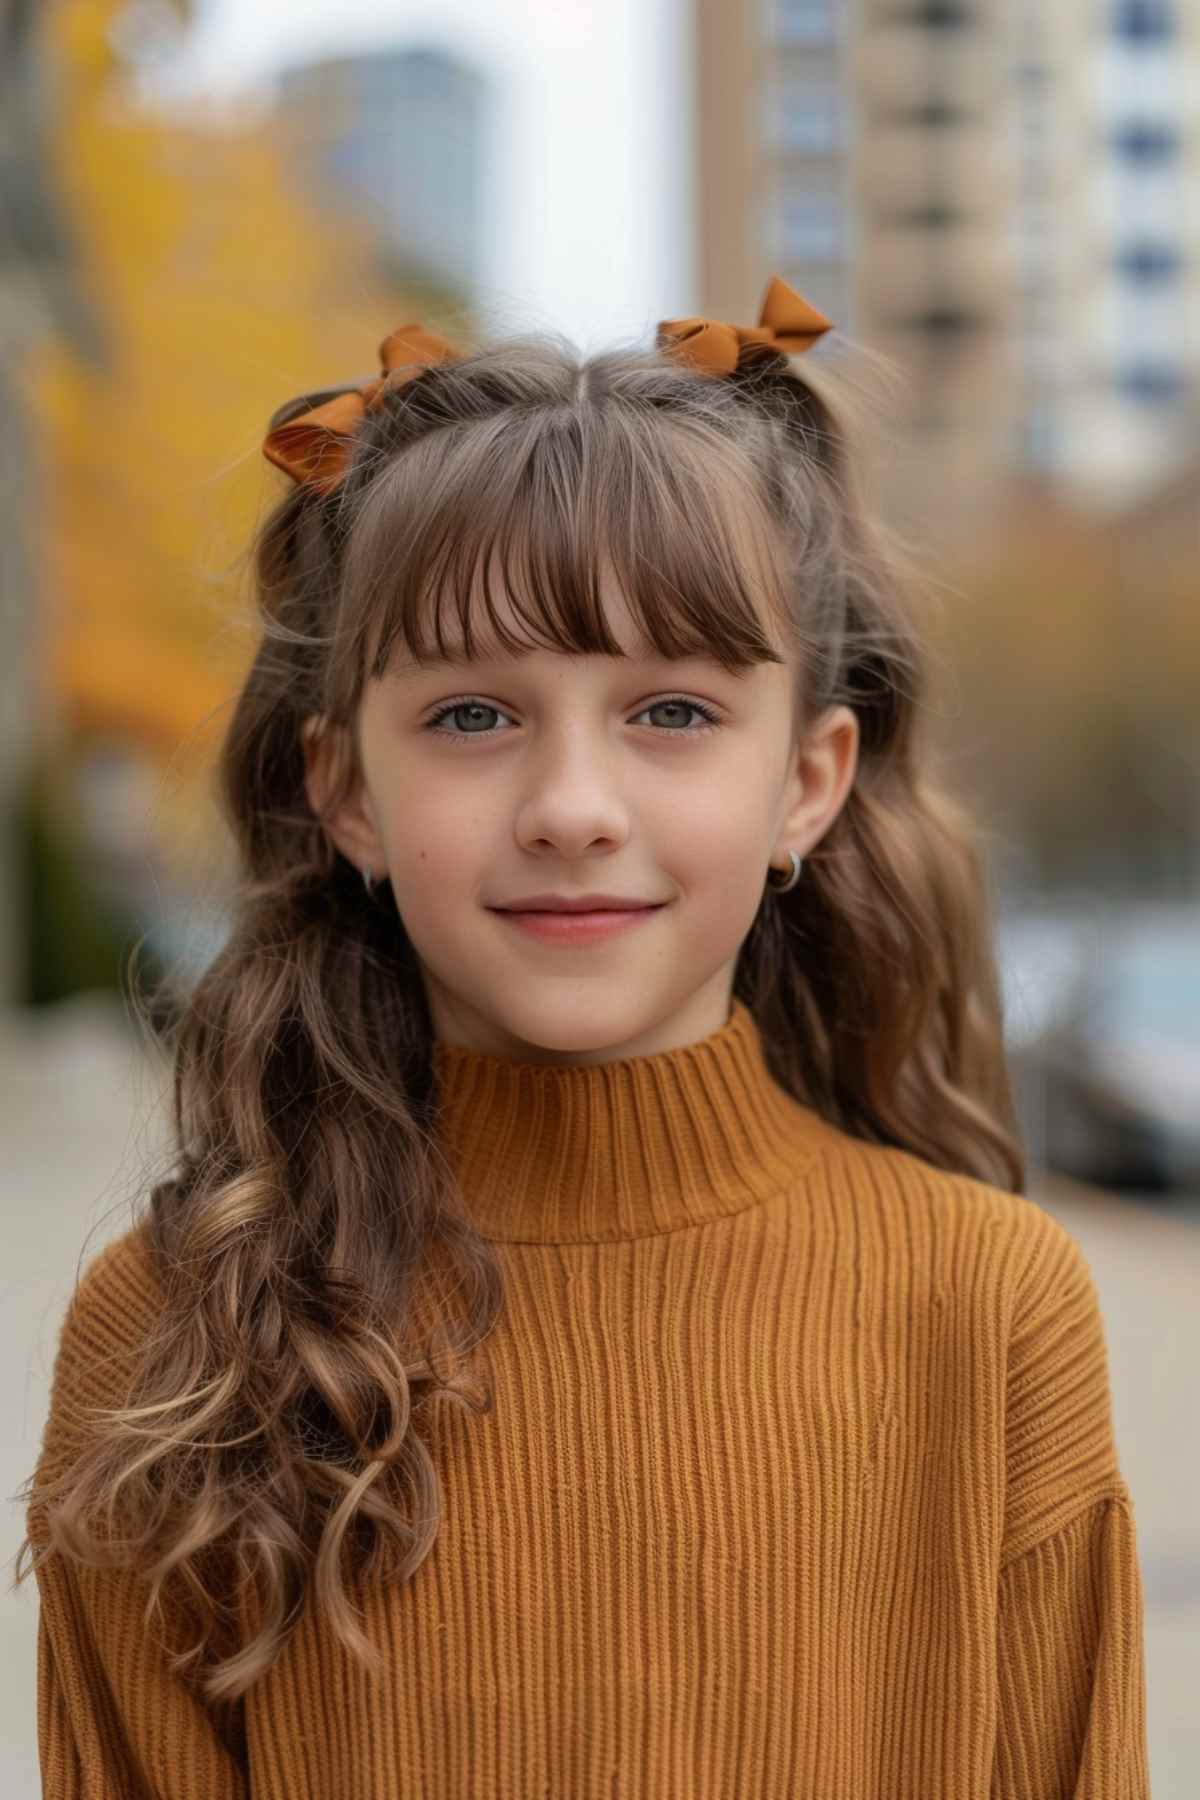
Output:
(78, 1115)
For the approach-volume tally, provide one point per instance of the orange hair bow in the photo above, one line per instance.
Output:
(786, 321)
(315, 446)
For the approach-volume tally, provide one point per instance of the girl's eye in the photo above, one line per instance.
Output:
(478, 711)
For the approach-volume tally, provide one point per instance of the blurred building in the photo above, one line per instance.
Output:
(998, 196)
(1108, 244)
(398, 135)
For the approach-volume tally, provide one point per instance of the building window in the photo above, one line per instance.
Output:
(935, 15)
(1143, 21)
(944, 324)
(810, 118)
(1148, 262)
(813, 229)
(805, 21)
(927, 115)
(1151, 383)
(1146, 141)
(934, 215)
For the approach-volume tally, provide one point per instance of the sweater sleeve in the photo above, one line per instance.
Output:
(114, 1721)
(1071, 1717)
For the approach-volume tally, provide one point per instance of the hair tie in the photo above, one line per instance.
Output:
(786, 322)
(314, 448)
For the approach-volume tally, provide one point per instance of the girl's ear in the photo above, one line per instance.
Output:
(825, 768)
(337, 793)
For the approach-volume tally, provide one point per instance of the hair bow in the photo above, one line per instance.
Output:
(315, 446)
(786, 322)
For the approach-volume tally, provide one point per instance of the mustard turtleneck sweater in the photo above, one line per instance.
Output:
(800, 1481)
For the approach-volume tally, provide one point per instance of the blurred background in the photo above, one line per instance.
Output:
(205, 209)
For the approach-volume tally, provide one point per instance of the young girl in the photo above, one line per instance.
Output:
(594, 1342)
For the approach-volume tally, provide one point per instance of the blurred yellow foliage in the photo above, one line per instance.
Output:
(222, 289)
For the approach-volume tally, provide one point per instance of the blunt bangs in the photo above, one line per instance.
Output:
(536, 505)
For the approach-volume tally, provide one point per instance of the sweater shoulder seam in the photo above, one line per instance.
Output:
(1115, 1495)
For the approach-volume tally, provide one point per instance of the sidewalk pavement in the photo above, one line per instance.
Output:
(1145, 1259)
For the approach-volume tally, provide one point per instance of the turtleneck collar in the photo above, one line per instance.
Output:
(549, 1153)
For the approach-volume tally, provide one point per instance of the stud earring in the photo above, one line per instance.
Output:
(781, 882)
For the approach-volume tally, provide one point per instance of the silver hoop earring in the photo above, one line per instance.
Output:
(368, 878)
(779, 883)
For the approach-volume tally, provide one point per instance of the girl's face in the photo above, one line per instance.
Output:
(671, 784)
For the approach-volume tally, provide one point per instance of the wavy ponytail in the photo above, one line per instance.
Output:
(875, 981)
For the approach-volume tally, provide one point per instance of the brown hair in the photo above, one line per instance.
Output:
(271, 1437)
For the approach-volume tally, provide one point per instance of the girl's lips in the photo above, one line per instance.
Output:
(578, 927)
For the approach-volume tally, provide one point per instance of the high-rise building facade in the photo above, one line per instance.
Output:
(1003, 198)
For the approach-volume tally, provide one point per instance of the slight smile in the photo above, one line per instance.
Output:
(559, 926)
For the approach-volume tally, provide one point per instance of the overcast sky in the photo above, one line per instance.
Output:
(587, 178)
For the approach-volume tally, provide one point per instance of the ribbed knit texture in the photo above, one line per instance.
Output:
(800, 1480)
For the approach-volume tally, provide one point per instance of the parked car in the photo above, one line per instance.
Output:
(1104, 1042)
